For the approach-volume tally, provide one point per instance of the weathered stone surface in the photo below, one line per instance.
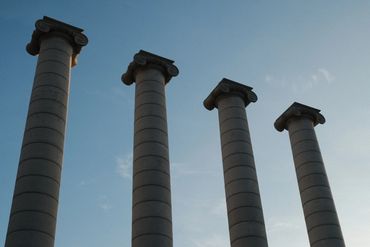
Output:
(245, 216)
(151, 211)
(318, 205)
(35, 203)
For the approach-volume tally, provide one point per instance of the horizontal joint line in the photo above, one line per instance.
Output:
(152, 216)
(243, 192)
(316, 185)
(238, 153)
(247, 221)
(308, 162)
(47, 143)
(52, 73)
(319, 211)
(304, 140)
(237, 129)
(150, 115)
(163, 131)
(234, 141)
(151, 200)
(154, 233)
(226, 108)
(56, 49)
(45, 127)
(41, 158)
(330, 224)
(53, 61)
(48, 99)
(30, 230)
(36, 211)
(149, 185)
(330, 238)
(233, 118)
(236, 166)
(297, 131)
(240, 179)
(149, 103)
(36, 192)
(151, 155)
(249, 236)
(254, 207)
(317, 198)
(150, 170)
(38, 175)
(45, 112)
(149, 91)
(147, 142)
(311, 174)
(50, 85)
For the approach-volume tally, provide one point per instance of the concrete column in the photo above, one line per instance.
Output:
(318, 205)
(244, 208)
(151, 200)
(35, 202)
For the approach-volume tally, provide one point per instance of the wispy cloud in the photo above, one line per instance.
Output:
(104, 204)
(219, 208)
(212, 241)
(124, 166)
(283, 226)
(184, 169)
(115, 95)
(301, 82)
(326, 75)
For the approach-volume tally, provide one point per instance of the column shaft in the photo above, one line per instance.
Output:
(320, 214)
(245, 216)
(151, 216)
(35, 201)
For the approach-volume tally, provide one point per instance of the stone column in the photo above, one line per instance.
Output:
(318, 205)
(244, 208)
(35, 202)
(151, 200)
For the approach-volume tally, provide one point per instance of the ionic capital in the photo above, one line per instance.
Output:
(143, 60)
(48, 27)
(228, 87)
(296, 111)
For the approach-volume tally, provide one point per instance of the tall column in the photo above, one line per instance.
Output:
(35, 202)
(151, 200)
(318, 205)
(244, 208)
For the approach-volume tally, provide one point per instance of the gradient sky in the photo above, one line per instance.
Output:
(315, 52)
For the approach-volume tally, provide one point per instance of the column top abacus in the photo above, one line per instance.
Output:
(298, 110)
(47, 27)
(144, 59)
(228, 87)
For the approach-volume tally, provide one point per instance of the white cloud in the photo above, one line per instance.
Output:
(301, 82)
(212, 241)
(283, 226)
(183, 169)
(104, 204)
(326, 74)
(124, 166)
(219, 208)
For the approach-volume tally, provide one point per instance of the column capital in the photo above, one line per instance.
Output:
(298, 110)
(228, 87)
(47, 27)
(144, 59)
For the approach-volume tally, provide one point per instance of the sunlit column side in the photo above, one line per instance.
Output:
(244, 208)
(318, 205)
(34, 208)
(151, 201)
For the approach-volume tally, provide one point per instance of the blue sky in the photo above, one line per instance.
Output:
(315, 52)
